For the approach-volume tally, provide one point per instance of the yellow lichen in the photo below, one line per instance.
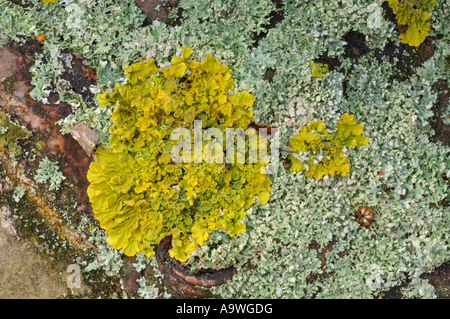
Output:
(413, 14)
(326, 149)
(140, 192)
(318, 69)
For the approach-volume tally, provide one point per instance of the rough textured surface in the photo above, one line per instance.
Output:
(158, 10)
(29, 269)
(26, 274)
(182, 282)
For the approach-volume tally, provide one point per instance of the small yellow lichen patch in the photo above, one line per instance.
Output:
(318, 69)
(414, 14)
(326, 149)
(149, 185)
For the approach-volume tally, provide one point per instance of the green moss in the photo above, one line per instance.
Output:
(10, 132)
(413, 14)
(9, 84)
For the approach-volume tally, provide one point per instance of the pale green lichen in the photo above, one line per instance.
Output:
(48, 171)
(3, 38)
(107, 258)
(10, 133)
(19, 192)
(409, 235)
(421, 288)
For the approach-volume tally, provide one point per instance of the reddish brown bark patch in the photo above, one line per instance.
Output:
(130, 284)
(181, 282)
(40, 118)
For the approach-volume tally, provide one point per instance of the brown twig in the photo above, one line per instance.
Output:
(182, 281)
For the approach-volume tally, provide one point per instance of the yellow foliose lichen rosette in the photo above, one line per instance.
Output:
(140, 192)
